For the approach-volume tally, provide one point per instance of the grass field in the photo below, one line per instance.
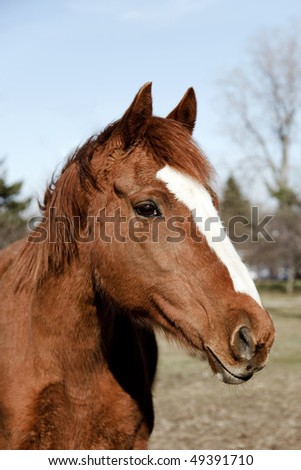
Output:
(195, 411)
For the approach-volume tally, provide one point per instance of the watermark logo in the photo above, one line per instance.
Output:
(120, 228)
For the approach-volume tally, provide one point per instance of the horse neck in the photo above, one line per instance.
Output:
(65, 321)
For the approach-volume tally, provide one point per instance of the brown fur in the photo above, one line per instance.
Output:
(78, 351)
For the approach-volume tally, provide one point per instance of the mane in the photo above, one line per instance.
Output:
(169, 142)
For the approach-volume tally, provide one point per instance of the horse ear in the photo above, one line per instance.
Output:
(137, 116)
(185, 112)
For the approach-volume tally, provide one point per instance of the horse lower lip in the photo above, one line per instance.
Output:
(224, 371)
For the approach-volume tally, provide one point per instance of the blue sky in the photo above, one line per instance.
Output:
(69, 67)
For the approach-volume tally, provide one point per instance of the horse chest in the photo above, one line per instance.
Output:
(107, 419)
(111, 421)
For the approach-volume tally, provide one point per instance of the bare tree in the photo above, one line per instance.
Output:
(282, 254)
(263, 102)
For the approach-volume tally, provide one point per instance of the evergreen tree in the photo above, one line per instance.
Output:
(235, 211)
(12, 221)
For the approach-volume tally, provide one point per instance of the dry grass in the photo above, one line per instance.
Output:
(195, 411)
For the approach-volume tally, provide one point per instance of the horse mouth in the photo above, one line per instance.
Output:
(223, 373)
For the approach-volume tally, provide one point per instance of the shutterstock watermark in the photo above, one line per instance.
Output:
(175, 229)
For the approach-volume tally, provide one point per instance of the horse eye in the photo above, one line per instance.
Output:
(147, 209)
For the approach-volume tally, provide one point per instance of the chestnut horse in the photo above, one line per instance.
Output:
(129, 239)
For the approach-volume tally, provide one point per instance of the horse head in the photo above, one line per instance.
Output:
(160, 250)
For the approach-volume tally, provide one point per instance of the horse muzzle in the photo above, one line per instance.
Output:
(248, 356)
(229, 374)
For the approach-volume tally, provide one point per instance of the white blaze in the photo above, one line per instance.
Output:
(190, 192)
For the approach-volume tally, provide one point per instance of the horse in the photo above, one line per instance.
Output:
(129, 241)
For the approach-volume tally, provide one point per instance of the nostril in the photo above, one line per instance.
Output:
(244, 335)
(243, 345)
